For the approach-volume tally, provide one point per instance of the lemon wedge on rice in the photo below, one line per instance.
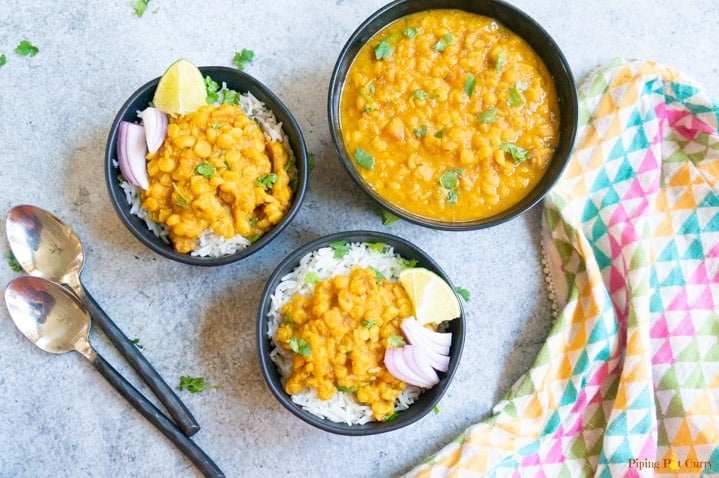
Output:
(181, 89)
(433, 299)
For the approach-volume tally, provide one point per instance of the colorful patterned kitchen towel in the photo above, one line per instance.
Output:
(627, 384)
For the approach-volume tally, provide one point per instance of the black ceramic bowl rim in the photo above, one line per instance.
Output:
(521, 24)
(241, 82)
(426, 401)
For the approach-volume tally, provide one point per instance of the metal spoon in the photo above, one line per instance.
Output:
(47, 247)
(54, 319)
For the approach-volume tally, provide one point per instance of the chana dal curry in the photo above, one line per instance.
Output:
(449, 115)
(217, 171)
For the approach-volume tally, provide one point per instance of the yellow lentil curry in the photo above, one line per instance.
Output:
(216, 171)
(449, 115)
(339, 335)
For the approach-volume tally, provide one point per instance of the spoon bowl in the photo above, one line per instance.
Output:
(46, 247)
(54, 319)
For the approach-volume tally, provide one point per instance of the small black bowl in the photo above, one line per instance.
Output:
(521, 24)
(242, 83)
(426, 401)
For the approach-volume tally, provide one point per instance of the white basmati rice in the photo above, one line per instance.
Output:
(343, 407)
(210, 244)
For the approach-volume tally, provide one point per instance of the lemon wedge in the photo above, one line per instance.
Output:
(181, 89)
(433, 299)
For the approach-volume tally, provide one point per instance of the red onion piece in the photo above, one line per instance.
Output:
(395, 361)
(131, 150)
(417, 357)
(155, 123)
(416, 334)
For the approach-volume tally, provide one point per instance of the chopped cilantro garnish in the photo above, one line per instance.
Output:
(312, 278)
(395, 341)
(371, 88)
(193, 384)
(369, 323)
(364, 159)
(450, 180)
(25, 48)
(463, 293)
(410, 32)
(340, 247)
(377, 273)
(388, 218)
(181, 200)
(446, 40)
(518, 153)
(299, 346)
(470, 84)
(12, 261)
(212, 89)
(435, 409)
(205, 169)
(341, 388)
(139, 6)
(267, 181)
(378, 247)
(136, 343)
(488, 116)
(439, 133)
(230, 97)
(407, 263)
(391, 417)
(501, 60)
(243, 57)
(3, 60)
(515, 98)
(420, 95)
(310, 161)
(421, 131)
(217, 125)
(383, 50)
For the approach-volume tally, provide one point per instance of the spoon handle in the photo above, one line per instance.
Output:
(203, 462)
(139, 362)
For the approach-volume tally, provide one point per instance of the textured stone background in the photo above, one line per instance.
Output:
(59, 418)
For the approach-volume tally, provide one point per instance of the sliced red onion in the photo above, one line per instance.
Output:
(396, 363)
(418, 358)
(131, 150)
(438, 362)
(416, 334)
(155, 123)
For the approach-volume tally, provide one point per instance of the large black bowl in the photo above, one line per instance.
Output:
(242, 83)
(521, 24)
(426, 401)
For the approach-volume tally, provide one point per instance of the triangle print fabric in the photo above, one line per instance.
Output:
(627, 383)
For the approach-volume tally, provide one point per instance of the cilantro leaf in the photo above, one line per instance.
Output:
(182, 200)
(421, 131)
(205, 169)
(193, 384)
(310, 161)
(450, 180)
(267, 181)
(312, 277)
(378, 275)
(299, 346)
(391, 417)
(407, 263)
(501, 60)
(368, 323)
(341, 388)
(470, 84)
(3, 60)
(139, 6)
(364, 159)
(230, 97)
(463, 293)
(518, 153)
(12, 261)
(388, 217)
(444, 42)
(395, 341)
(419, 95)
(410, 32)
(377, 247)
(515, 98)
(136, 343)
(383, 50)
(25, 48)
(435, 410)
(340, 247)
(488, 116)
(212, 89)
(243, 57)
(439, 133)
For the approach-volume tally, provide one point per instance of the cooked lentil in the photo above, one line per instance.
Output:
(449, 92)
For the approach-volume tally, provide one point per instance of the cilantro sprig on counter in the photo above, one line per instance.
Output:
(194, 384)
(25, 48)
(243, 57)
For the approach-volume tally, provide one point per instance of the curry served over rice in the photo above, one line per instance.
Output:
(449, 115)
(216, 171)
(339, 335)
